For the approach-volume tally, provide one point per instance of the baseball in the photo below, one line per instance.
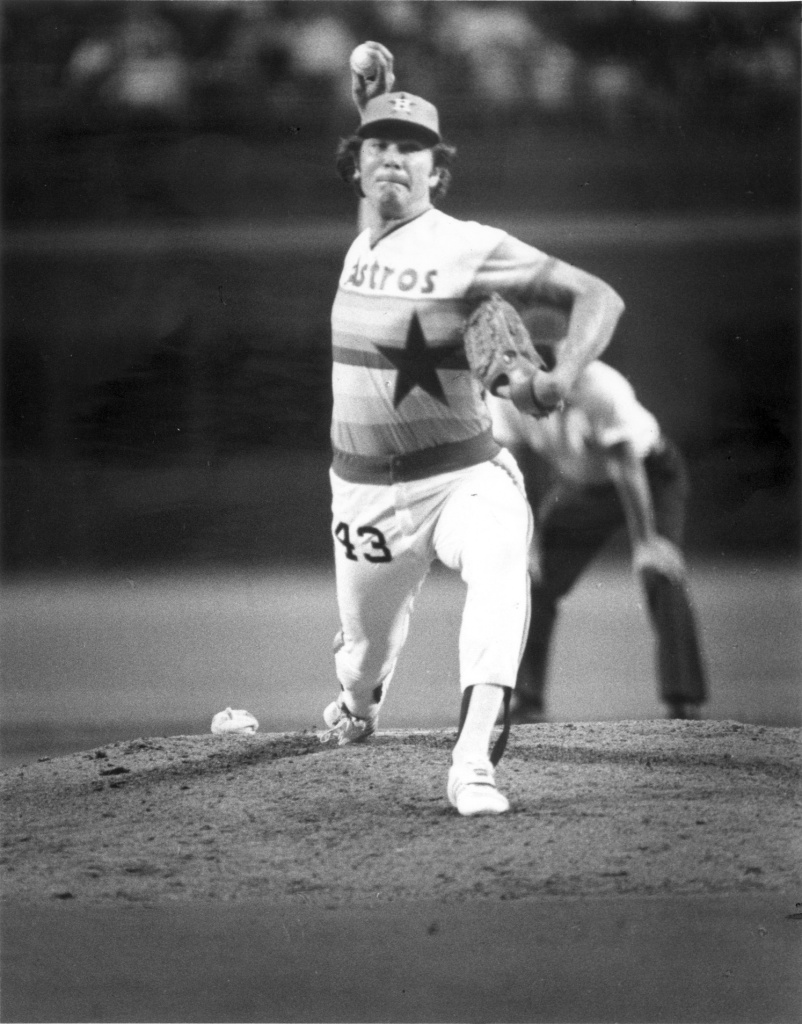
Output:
(364, 61)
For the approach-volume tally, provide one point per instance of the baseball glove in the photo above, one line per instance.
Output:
(501, 354)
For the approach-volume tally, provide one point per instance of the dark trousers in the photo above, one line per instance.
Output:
(573, 524)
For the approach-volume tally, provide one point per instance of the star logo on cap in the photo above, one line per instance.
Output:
(402, 104)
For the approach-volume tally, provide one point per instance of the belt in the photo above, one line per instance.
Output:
(391, 469)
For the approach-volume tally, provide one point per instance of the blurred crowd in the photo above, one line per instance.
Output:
(245, 64)
(120, 113)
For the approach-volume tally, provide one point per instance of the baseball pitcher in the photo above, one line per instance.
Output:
(416, 473)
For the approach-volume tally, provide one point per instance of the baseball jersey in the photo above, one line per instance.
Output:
(601, 412)
(405, 403)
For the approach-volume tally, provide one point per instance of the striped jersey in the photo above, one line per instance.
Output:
(405, 403)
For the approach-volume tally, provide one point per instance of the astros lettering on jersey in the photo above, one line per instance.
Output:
(401, 380)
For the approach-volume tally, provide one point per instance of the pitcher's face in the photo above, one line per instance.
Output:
(396, 176)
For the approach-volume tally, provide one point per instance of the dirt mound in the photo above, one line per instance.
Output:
(641, 808)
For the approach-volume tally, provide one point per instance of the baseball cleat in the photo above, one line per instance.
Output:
(472, 789)
(344, 726)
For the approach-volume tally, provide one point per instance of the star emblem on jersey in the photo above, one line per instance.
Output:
(417, 364)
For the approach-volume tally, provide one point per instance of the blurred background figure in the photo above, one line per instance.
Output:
(134, 69)
(246, 64)
(496, 46)
(600, 465)
(322, 41)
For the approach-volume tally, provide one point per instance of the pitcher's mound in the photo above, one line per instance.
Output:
(641, 808)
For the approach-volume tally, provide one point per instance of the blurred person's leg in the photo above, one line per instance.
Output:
(682, 678)
(572, 526)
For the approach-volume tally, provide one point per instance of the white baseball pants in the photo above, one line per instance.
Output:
(476, 521)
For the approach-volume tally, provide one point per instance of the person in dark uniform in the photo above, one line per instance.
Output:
(601, 464)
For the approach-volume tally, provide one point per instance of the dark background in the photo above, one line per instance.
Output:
(174, 230)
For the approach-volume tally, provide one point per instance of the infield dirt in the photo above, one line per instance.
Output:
(638, 807)
(662, 810)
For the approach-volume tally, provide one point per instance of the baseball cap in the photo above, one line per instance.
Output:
(401, 111)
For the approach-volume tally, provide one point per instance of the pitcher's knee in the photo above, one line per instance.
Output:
(501, 559)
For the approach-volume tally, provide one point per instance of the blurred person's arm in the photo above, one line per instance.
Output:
(649, 549)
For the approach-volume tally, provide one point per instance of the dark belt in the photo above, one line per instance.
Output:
(391, 469)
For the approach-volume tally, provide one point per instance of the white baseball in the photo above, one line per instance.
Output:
(364, 61)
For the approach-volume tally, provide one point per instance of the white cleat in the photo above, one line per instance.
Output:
(344, 727)
(472, 789)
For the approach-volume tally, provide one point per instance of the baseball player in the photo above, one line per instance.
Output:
(416, 473)
(599, 464)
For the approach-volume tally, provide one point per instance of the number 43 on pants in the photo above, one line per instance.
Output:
(378, 550)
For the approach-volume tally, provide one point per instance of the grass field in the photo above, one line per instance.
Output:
(89, 662)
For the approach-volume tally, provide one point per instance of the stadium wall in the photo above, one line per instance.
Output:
(166, 390)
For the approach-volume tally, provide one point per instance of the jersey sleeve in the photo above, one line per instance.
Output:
(520, 272)
(515, 269)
